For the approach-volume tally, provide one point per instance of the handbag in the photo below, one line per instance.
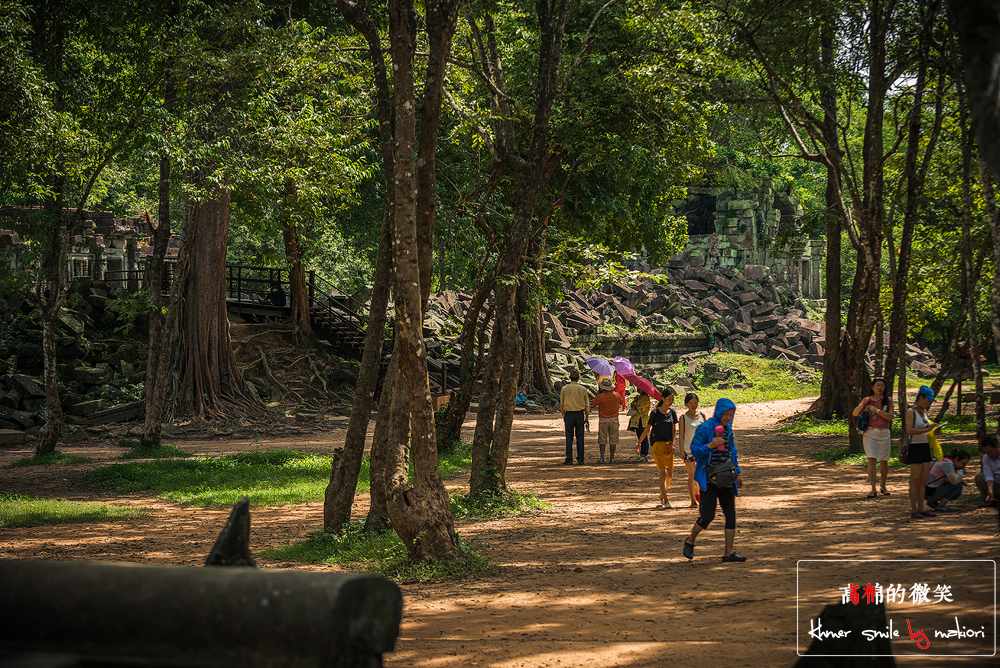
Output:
(863, 422)
(722, 474)
(904, 446)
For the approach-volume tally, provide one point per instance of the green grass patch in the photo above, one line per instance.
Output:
(953, 424)
(55, 457)
(17, 510)
(267, 477)
(383, 554)
(502, 504)
(808, 425)
(770, 379)
(162, 452)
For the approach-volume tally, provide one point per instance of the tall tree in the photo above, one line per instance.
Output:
(859, 203)
(977, 25)
(421, 513)
(339, 495)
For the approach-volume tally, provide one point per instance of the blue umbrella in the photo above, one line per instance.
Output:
(600, 366)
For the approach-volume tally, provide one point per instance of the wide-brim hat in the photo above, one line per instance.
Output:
(606, 384)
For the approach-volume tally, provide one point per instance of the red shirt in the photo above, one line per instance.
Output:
(607, 404)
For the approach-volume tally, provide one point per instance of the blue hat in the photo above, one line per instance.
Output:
(925, 391)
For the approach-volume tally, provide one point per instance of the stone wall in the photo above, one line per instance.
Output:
(731, 228)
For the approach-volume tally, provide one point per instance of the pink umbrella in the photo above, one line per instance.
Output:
(600, 366)
(624, 367)
(642, 384)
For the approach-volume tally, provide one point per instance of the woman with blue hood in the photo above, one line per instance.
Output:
(717, 473)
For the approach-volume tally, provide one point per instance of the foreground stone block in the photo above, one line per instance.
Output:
(86, 407)
(127, 614)
(12, 437)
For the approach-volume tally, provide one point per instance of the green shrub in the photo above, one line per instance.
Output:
(502, 504)
(383, 554)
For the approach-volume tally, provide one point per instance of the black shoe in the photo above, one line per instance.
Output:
(735, 557)
(579, 461)
(688, 549)
(568, 461)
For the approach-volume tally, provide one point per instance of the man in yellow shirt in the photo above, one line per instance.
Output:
(574, 402)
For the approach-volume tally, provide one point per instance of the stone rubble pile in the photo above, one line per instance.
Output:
(742, 311)
(92, 374)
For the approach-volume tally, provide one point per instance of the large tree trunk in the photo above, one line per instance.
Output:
(211, 384)
(339, 496)
(421, 513)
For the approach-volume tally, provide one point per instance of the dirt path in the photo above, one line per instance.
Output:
(597, 580)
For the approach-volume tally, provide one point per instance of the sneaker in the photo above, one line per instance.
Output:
(734, 558)
(613, 459)
(688, 549)
(601, 460)
(568, 461)
(927, 513)
(917, 516)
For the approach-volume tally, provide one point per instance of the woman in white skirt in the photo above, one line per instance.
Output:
(878, 435)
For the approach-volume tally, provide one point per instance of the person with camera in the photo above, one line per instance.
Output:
(876, 418)
(717, 472)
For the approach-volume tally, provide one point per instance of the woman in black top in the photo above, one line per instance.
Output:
(661, 422)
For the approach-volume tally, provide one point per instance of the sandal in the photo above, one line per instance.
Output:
(871, 495)
(885, 492)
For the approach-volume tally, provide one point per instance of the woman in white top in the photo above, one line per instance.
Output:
(690, 419)
(917, 426)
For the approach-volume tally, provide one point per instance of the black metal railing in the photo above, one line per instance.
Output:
(136, 279)
(326, 297)
(253, 284)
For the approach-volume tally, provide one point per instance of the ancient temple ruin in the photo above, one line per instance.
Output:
(731, 228)
(101, 247)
